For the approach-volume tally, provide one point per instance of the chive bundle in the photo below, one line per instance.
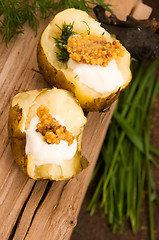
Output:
(125, 158)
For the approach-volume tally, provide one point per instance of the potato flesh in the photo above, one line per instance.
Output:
(66, 170)
(60, 104)
(24, 101)
(72, 114)
(83, 92)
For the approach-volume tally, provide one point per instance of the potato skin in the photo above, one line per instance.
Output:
(53, 76)
(101, 104)
(17, 138)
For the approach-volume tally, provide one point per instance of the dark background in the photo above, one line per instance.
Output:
(95, 227)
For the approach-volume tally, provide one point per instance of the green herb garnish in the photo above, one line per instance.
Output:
(125, 159)
(76, 76)
(88, 31)
(61, 41)
(14, 13)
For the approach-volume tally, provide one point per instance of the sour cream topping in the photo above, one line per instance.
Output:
(43, 152)
(101, 79)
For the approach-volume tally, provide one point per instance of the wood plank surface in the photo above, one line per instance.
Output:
(40, 209)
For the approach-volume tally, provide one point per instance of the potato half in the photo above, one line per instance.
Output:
(61, 75)
(33, 114)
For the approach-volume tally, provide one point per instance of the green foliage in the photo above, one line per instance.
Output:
(61, 42)
(125, 160)
(14, 13)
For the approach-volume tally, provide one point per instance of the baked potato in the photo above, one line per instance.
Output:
(45, 131)
(77, 54)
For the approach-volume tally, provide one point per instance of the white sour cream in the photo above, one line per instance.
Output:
(101, 79)
(43, 152)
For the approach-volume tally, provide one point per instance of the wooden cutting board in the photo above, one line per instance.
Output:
(43, 209)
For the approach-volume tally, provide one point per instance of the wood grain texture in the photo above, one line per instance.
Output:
(140, 9)
(40, 209)
(122, 8)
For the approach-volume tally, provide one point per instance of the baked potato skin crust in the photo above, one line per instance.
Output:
(53, 76)
(17, 138)
(57, 78)
(101, 104)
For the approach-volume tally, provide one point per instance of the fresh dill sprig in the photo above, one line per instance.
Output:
(61, 42)
(14, 13)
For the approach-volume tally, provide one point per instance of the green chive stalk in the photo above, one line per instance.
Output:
(125, 159)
